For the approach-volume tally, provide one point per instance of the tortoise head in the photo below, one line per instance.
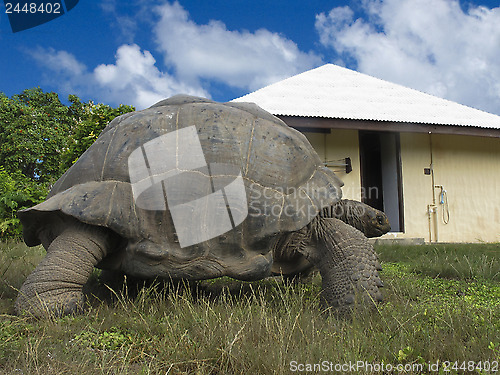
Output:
(375, 222)
(369, 220)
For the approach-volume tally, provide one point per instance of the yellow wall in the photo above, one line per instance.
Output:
(337, 145)
(467, 167)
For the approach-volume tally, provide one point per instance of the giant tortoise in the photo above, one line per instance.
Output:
(194, 189)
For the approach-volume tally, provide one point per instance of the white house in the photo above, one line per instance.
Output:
(431, 164)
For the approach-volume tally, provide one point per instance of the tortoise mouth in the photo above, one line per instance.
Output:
(379, 230)
(384, 229)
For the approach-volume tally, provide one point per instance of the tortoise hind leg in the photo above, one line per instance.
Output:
(347, 262)
(55, 286)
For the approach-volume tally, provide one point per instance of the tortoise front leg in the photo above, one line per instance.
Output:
(55, 286)
(347, 262)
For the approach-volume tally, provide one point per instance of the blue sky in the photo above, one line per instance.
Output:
(138, 52)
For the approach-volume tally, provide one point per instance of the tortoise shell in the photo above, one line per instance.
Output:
(163, 178)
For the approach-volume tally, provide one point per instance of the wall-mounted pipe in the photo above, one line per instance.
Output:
(432, 208)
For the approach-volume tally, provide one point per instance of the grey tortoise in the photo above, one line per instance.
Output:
(136, 202)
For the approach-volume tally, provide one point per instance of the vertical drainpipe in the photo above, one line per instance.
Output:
(324, 145)
(432, 208)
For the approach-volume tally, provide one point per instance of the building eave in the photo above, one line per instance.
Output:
(404, 127)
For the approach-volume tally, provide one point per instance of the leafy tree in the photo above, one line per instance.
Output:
(33, 134)
(88, 121)
(40, 138)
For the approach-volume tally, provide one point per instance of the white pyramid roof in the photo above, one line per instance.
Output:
(331, 91)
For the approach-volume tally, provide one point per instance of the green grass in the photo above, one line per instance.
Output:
(450, 261)
(432, 312)
(16, 263)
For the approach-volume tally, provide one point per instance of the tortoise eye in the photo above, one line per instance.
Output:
(380, 220)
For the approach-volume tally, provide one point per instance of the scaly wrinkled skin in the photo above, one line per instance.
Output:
(55, 286)
(345, 258)
(370, 221)
(347, 262)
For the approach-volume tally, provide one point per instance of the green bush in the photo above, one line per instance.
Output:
(40, 138)
(16, 192)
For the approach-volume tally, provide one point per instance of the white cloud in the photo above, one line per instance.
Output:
(61, 69)
(195, 56)
(60, 61)
(240, 59)
(132, 79)
(430, 45)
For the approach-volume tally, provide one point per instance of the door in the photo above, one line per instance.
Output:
(380, 157)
